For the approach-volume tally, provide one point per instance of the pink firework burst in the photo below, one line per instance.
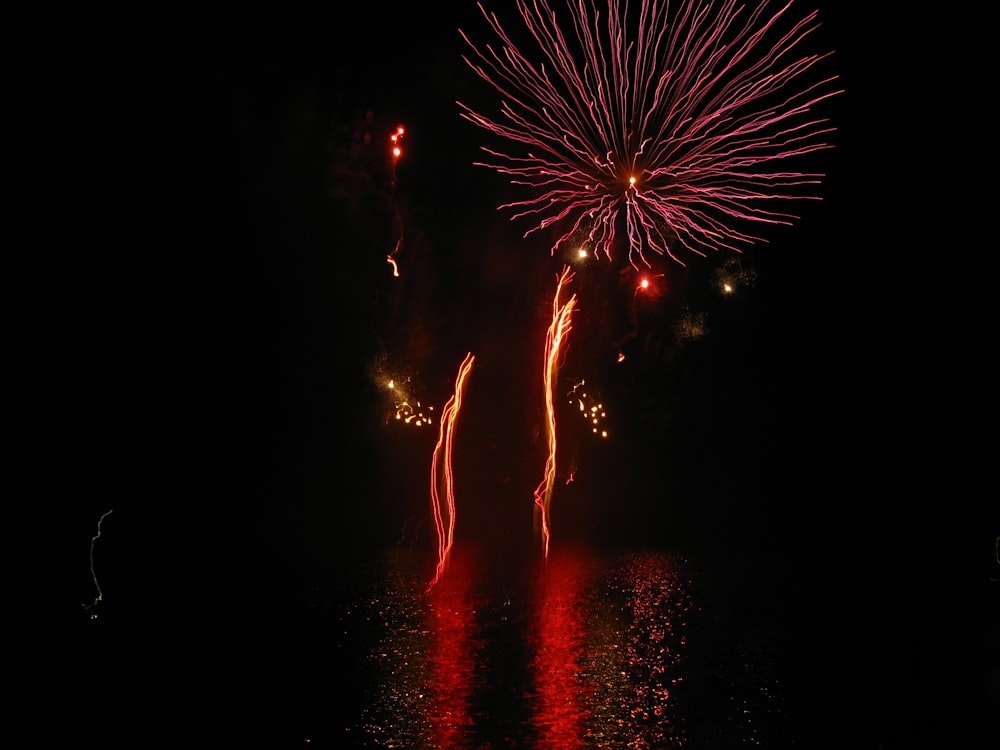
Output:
(669, 123)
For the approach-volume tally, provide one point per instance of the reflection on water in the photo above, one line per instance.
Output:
(580, 651)
(453, 650)
(562, 679)
(606, 644)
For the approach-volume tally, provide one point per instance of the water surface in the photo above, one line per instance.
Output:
(588, 649)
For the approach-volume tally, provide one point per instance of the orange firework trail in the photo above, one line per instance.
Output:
(442, 451)
(559, 328)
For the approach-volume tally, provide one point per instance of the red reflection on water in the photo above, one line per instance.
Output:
(451, 620)
(658, 605)
(562, 690)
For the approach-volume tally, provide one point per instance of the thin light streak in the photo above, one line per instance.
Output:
(93, 541)
(559, 328)
(444, 516)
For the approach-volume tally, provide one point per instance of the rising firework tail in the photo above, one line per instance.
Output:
(555, 342)
(441, 472)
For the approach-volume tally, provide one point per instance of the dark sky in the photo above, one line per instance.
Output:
(235, 296)
(221, 297)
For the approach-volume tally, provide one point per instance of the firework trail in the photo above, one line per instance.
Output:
(559, 328)
(671, 121)
(444, 518)
(396, 140)
(91, 608)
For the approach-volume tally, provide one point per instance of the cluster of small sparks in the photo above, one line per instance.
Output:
(732, 275)
(414, 414)
(676, 121)
(690, 325)
(408, 411)
(441, 472)
(555, 338)
(591, 409)
(402, 405)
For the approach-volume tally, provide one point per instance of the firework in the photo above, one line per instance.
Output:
(669, 123)
(396, 141)
(92, 608)
(401, 402)
(590, 408)
(559, 328)
(444, 517)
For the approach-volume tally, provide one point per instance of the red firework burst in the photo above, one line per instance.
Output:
(669, 123)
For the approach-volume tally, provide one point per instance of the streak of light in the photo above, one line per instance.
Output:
(444, 517)
(559, 328)
(93, 540)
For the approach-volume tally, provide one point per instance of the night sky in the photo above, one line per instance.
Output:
(221, 301)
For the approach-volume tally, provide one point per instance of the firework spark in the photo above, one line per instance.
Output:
(671, 119)
(732, 276)
(401, 402)
(444, 517)
(559, 328)
(590, 408)
(396, 141)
